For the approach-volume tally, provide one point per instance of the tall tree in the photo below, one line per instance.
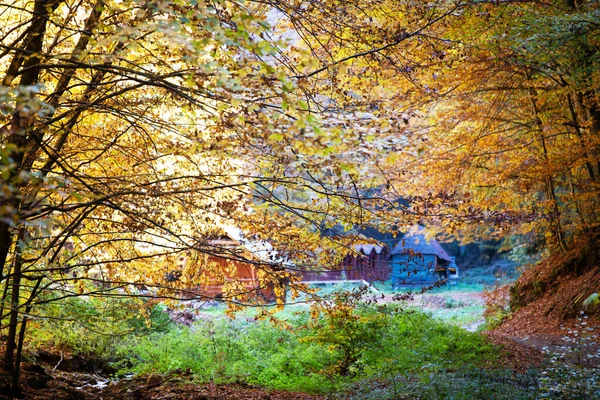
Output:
(493, 106)
(133, 132)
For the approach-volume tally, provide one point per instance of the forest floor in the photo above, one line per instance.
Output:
(47, 381)
(524, 344)
(89, 386)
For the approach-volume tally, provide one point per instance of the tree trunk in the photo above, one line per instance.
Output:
(576, 126)
(21, 338)
(11, 341)
(19, 135)
(28, 57)
(549, 189)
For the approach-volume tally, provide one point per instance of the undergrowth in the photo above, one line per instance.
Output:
(93, 327)
(377, 352)
(351, 354)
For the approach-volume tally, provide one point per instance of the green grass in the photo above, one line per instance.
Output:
(461, 316)
(334, 354)
(376, 352)
(460, 286)
(90, 327)
(368, 352)
(456, 314)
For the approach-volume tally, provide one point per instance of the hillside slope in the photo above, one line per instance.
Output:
(549, 298)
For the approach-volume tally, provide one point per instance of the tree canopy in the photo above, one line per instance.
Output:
(133, 133)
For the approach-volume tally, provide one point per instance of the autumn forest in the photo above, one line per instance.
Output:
(374, 199)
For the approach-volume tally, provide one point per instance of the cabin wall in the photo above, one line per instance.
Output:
(413, 270)
(372, 268)
(214, 279)
(323, 276)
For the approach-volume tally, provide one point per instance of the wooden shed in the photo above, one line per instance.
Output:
(369, 263)
(417, 260)
(231, 270)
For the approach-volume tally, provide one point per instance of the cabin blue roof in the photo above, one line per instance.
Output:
(418, 243)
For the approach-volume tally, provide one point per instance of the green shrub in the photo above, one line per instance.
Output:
(231, 351)
(371, 353)
(347, 335)
(323, 355)
(92, 327)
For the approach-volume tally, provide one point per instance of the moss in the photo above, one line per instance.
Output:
(516, 300)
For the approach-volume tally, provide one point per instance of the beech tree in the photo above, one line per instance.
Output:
(518, 133)
(493, 104)
(133, 132)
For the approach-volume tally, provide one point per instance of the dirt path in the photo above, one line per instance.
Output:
(516, 356)
(574, 350)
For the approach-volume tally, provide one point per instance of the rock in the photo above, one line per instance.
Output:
(154, 379)
(36, 376)
(72, 364)
(38, 369)
(37, 381)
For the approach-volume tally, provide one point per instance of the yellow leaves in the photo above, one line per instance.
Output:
(276, 136)
(177, 125)
(349, 169)
(80, 286)
(315, 313)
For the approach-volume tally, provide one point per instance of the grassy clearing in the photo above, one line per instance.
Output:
(377, 352)
(459, 304)
(464, 316)
(343, 354)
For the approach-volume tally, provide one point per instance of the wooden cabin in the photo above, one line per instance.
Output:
(417, 260)
(323, 276)
(367, 263)
(231, 270)
(412, 261)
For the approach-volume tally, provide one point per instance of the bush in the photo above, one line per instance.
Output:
(93, 327)
(347, 336)
(325, 354)
(225, 351)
